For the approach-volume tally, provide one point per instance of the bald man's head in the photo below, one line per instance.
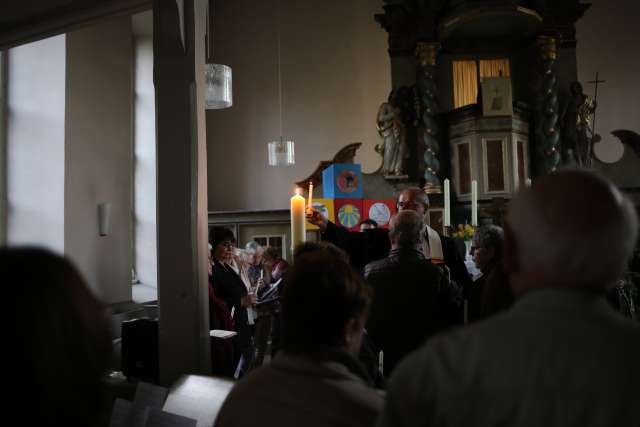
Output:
(571, 228)
(415, 199)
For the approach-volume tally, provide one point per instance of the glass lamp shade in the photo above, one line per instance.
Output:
(281, 153)
(217, 81)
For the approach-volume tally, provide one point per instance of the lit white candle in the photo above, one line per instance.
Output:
(447, 204)
(310, 202)
(297, 220)
(474, 203)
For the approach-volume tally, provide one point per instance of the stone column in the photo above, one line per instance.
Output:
(548, 135)
(178, 75)
(426, 54)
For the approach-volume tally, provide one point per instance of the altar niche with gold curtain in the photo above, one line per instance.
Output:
(467, 74)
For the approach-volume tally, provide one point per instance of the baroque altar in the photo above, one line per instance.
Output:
(480, 88)
(480, 91)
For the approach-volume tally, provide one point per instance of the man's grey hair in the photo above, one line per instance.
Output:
(490, 237)
(406, 229)
(577, 228)
(253, 247)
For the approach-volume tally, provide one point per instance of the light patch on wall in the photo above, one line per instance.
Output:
(608, 150)
(36, 144)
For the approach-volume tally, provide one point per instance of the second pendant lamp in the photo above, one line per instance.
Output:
(281, 152)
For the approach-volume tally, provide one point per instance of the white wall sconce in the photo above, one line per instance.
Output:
(104, 218)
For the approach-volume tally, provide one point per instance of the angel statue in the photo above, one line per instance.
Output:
(392, 131)
(577, 135)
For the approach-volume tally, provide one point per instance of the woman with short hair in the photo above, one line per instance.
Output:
(228, 285)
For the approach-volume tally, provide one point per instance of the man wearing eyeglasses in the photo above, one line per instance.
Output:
(374, 244)
(490, 292)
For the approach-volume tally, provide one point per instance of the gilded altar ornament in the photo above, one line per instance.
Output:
(547, 47)
(427, 54)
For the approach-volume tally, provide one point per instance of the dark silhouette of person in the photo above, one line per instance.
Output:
(58, 344)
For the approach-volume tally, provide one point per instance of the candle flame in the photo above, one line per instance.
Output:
(297, 191)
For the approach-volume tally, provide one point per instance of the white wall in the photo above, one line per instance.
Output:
(608, 37)
(145, 258)
(335, 75)
(35, 144)
(99, 155)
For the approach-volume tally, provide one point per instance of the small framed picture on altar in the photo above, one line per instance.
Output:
(496, 96)
(435, 220)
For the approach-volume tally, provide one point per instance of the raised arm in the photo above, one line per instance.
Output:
(362, 248)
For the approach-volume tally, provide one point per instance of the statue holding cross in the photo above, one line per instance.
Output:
(578, 122)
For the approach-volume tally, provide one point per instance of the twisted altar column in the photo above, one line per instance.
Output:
(426, 54)
(547, 129)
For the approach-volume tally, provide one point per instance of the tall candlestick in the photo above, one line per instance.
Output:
(310, 203)
(297, 220)
(447, 204)
(474, 203)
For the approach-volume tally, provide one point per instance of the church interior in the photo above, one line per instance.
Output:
(114, 154)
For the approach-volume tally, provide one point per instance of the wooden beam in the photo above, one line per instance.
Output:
(47, 21)
(178, 75)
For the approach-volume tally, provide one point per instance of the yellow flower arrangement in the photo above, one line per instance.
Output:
(464, 232)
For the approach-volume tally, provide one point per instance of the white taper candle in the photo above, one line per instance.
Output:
(474, 203)
(310, 202)
(447, 204)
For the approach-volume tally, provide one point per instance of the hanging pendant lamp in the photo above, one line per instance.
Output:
(218, 86)
(281, 152)
(217, 77)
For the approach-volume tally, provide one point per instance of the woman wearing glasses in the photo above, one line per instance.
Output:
(229, 286)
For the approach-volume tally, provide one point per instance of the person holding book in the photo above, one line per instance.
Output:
(229, 286)
(274, 264)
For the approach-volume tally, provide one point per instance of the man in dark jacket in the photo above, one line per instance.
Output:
(372, 245)
(412, 298)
